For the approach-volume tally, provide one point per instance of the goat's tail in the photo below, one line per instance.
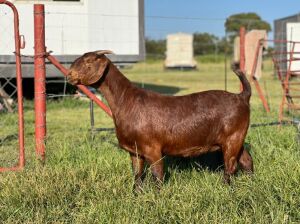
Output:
(245, 83)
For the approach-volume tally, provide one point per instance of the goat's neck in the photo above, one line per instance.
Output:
(114, 87)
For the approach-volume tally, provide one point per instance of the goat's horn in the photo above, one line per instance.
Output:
(104, 52)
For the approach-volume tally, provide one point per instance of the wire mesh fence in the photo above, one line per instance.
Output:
(69, 35)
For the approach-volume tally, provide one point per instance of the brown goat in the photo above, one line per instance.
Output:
(150, 125)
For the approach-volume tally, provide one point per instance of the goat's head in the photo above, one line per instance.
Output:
(89, 68)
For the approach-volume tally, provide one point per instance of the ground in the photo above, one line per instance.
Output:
(87, 180)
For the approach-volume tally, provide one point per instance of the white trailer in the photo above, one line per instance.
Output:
(74, 27)
(292, 34)
(180, 51)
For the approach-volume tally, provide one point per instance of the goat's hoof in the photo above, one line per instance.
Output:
(137, 190)
(226, 179)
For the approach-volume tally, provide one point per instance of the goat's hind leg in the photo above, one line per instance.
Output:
(245, 161)
(157, 168)
(138, 171)
(231, 151)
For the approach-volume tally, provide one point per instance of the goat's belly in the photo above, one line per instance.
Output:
(190, 151)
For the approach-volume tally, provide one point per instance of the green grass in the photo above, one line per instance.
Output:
(90, 181)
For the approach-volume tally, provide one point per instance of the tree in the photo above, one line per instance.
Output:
(155, 47)
(223, 46)
(248, 20)
(205, 43)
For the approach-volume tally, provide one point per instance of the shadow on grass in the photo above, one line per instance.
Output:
(163, 89)
(212, 161)
(7, 139)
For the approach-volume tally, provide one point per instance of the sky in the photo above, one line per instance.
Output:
(171, 16)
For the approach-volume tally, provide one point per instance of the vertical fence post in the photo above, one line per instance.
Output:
(242, 48)
(242, 51)
(255, 81)
(21, 163)
(39, 80)
(20, 89)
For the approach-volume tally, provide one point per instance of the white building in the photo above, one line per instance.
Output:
(74, 27)
(288, 28)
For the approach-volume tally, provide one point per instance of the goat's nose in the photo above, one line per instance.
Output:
(72, 78)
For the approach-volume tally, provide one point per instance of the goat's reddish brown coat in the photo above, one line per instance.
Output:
(150, 125)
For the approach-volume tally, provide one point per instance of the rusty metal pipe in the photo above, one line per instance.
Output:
(254, 80)
(242, 48)
(39, 80)
(21, 162)
(242, 51)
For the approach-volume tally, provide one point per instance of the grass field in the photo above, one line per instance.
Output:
(90, 181)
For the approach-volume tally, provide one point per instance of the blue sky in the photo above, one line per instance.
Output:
(208, 16)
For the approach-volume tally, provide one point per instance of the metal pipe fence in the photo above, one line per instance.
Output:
(46, 64)
(12, 138)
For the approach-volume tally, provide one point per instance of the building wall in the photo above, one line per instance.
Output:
(293, 34)
(73, 28)
(280, 26)
(281, 33)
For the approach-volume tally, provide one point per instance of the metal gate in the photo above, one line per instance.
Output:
(12, 156)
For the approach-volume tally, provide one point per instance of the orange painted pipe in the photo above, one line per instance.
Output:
(39, 80)
(242, 52)
(21, 162)
(254, 80)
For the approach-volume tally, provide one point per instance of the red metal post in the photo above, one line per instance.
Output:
(19, 89)
(85, 90)
(254, 80)
(242, 48)
(39, 80)
(242, 51)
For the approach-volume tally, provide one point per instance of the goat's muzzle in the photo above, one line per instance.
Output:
(73, 78)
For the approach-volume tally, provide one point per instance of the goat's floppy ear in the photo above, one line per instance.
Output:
(94, 70)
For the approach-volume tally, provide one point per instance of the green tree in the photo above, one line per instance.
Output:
(155, 47)
(205, 43)
(223, 46)
(248, 20)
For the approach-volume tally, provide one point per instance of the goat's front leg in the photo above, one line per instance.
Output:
(157, 168)
(137, 168)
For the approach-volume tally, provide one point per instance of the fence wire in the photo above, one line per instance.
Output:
(61, 40)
